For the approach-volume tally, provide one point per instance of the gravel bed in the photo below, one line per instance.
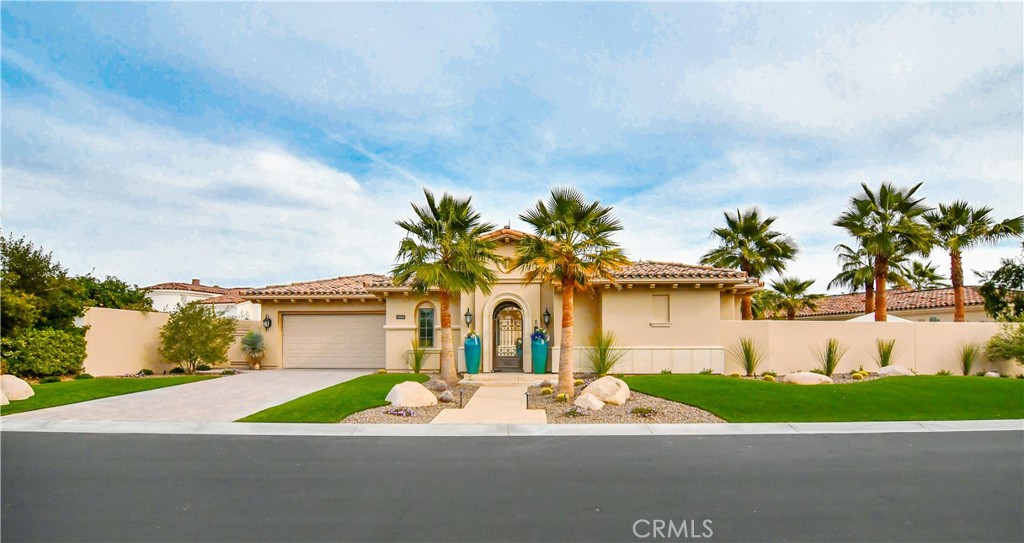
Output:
(665, 411)
(423, 415)
(837, 378)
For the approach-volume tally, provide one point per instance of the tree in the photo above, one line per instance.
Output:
(195, 335)
(112, 293)
(792, 296)
(37, 291)
(444, 251)
(1003, 289)
(764, 304)
(748, 243)
(572, 246)
(857, 269)
(923, 275)
(958, 227)
(1008, 344)
(886, 223)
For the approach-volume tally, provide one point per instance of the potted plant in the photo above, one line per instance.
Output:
(472, 345)
(539, 345)
(254, 348)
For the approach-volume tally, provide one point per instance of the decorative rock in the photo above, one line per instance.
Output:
(589, 401)
(436, 385)
(15, 389)
(410, 394)
(3, 399)
(807, 378)
(992, 374)
(609, 389)
(546, 384)
(894, 370)
(446, 397)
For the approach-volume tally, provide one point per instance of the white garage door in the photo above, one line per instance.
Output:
(333, 341)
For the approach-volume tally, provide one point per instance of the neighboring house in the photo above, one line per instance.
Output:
(661, 312)
(934, 305)
(226, 301)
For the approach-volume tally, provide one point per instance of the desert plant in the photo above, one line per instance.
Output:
(666, 371)
(604, 353)
(770, 373)
(254, 348)
(545, 391)
(748, 354)
(400, 412)
(562, 398)
(228, 372)
(645, 412)
(735, 374)
(81, 376)
(381, 371)
(968, 356)
(416, 356)
(145, 371)
(769, 378)
(857, 376)
(577, 411)
(944, 372)
(830, 355)
(706, 371)
(577, 383)
(885, 348)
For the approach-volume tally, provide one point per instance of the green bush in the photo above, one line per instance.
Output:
(886, 349)
(45, 352)
(50, 379)
(145, 371)
(830, 355)
(1008, 344)
(177, 369)
(944, 372)
(748, 354)
(706, 371)
(203, 367)
(666, 371)
(968, 356)
(644, 412)
(228, 372)
(194, 335)
(82, 376)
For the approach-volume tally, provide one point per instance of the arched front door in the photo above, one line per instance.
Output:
(508, 337)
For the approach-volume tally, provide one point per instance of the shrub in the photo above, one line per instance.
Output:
(885, 351)
(1020, 376)
(748, 354)
(254, 348)
(944, 372)
(979, 374)
(381, 371)
(770, 373)
(545, 391)
(769, 378)
(401, 412)
(177, 369)
(43, 352)
(705, 371)
(145, 371)
(228, 372)
(577, 383)
(50, 379)
(82, 376)
(577, 411)
(735, 374)
(830, 355)
(1007, 344)
(968, 356)
(416, 356)
(666, 372)
(203, 367)
(195, 335)
(645, 412)
(605, 353)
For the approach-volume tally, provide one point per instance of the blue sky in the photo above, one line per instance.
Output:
(252, 144)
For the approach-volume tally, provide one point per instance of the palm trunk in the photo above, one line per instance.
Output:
(747, 306)
(881, 272)
(956, 275)
(791, 314)
(869, 296)
(448, 373)
(565, 369)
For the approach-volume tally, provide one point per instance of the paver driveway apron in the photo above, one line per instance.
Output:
(225, 399)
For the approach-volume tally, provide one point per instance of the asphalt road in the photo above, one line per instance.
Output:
(867, 487)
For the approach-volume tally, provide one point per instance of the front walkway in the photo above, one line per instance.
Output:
(224, 399)
(502, 404)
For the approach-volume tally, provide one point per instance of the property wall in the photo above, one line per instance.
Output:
(119, 341)
(275, 310)
(925, 347)
(943, 314)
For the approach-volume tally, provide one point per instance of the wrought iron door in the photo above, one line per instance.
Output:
(508, 338)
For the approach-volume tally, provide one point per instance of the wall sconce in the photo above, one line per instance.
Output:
(547, 317)
(266, 322)
(469, 317)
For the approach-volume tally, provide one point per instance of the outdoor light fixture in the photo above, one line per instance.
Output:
(547, 317)
(469, 317)
(266, 322)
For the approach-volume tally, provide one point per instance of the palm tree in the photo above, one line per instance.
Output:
(922, 275)
(748, 243)
(857, 269)
(958, 227)
(792, 296)
(443, 251)
(764, 304)
(887, 224)
(572, 245)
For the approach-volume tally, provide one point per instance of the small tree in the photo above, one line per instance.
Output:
(1003, 289)
(195, 334)
(1008, 344)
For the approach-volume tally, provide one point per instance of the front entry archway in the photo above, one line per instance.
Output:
(508, 337)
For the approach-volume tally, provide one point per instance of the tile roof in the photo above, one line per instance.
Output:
(505, 232)
(188, 287)
(675, 270)
(350, 285)
(234, 296)
(896, 300)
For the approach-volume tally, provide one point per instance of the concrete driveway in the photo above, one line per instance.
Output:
(225, 399)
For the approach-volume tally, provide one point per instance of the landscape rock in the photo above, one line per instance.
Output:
(15, 389)
(609, 389)
(807, 378)
(545, 384)
(446, 397)
(588, 401)
(410, 394)
(894, 370)
(992, 374)
(3, 399)
(436, 385)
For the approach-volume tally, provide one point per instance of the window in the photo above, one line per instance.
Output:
(660, 310)
(425, 326)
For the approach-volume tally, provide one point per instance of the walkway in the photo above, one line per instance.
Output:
(501, 404)
(224, 399)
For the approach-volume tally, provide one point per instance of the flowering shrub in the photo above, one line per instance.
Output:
(401, 412)
(539, 333)
(577, 411)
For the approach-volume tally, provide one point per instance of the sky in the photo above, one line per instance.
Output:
(255, 144)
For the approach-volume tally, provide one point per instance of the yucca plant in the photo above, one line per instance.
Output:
(748, 354)
(416, 358)
(886, 349)
(254, 348)
(604, 353)
(830, 355)
(968, 356)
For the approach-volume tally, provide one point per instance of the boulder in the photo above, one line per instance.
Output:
(15, 389)
(410, 394)
(588, 401)
(894, 370)
(446, 397)
(608, 389)
(3, 398)
(807, 378)
(436, 385)
(992, 374)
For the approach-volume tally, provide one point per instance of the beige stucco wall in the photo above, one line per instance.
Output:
(119, 341)
(925, 347)
(694, 316)
(275, 310)
(400, 332)
(944, 314)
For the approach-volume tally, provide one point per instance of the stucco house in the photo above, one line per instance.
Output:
(664, 314)
(934, 305)
(226, 301)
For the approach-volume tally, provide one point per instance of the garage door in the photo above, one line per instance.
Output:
(333, 341)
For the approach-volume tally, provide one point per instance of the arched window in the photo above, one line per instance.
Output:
(425, 325)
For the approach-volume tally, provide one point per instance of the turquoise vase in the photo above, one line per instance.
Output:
(540, 355)
(472, 346)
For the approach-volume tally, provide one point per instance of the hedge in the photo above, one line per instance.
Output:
(41, 353)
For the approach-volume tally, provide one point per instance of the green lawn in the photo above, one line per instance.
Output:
(924, 397)
(337, 402)
(65, 392)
